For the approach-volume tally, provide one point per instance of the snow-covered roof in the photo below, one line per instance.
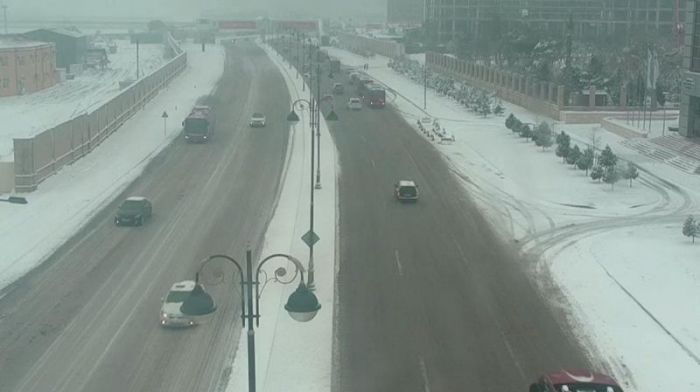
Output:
(12, 42)
(62, 31)
(136, 198)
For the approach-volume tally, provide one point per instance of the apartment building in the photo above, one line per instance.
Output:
(454, 18)
(689, 121)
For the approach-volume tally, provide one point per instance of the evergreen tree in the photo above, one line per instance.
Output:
(526, 131)
(585, 161)
(563, 145)
(611, 176)
(607, 158)
(631, 173)
(543, 136)
(517, 125)
(510, 121)
(484, 107)
(574, 155)
(498, 110)
(597, 173)
(690, 228)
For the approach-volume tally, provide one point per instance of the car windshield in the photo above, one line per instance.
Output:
(177, 296)
(131, 205)
(258, 116)
(407, 191)
(197, 125)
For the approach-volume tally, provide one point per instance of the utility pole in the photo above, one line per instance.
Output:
(425, 84)
(138, 71)
(318, 120)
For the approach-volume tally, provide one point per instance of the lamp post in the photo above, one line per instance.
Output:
(15, 200)
(303, 61)
(425, 85)
(292, 117)
(302, 304)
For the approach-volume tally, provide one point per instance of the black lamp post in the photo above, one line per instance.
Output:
(15, 200)
(294, 118)
(302, 304)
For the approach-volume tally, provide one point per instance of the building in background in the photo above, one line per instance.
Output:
(452, 19)
(25, 66)
(689, 121)
(70, 44)
(405, 12)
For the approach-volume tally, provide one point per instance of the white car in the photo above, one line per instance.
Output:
(354, 104)
(257, 120)
(170, 314)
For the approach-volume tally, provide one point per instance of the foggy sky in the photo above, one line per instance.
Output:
(188, 9)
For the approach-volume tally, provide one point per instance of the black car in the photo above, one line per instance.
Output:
(133, 211)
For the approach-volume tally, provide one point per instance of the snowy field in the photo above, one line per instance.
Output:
(629, 279)
(30, 114)
(30, 233)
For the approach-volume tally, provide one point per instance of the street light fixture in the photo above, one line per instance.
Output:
(293, 117)
(15, 200)
(302, 304)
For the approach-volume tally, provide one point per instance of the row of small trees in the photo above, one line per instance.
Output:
(540, 134)
(602, 167)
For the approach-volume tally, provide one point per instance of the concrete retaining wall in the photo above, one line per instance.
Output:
(43, 155)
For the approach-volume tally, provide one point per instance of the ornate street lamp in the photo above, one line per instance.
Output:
(302, 304)
(293, 117)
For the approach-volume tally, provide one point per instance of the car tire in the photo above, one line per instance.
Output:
(139, 221)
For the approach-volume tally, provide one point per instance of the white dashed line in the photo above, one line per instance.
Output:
(398, 262)
(424, 373)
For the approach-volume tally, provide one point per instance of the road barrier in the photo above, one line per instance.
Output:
(41, 156)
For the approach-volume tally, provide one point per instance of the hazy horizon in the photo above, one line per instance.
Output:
(22, 10)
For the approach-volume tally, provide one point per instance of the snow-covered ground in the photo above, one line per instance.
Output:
(30, 233)
(30, 114)
(629, 277)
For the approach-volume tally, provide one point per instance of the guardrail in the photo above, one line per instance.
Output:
(41, 156)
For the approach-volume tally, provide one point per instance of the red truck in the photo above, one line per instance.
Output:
(198, 126)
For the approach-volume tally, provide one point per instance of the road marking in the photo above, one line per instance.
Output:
(398, 262)
(424, 373)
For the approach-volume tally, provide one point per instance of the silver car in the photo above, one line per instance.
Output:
(354, 104)
(257, 120)
(170, 314)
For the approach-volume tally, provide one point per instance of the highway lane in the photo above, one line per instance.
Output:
(429, 297)
(87, 320)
